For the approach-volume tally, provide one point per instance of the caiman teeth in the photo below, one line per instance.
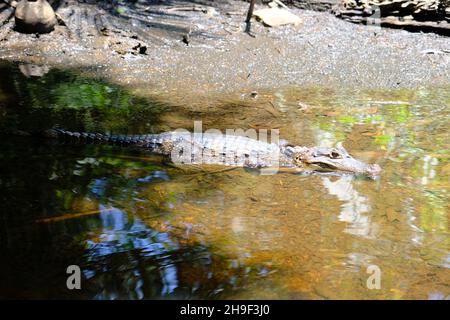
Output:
(324, 166)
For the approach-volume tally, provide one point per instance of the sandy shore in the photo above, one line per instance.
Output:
(143, 48)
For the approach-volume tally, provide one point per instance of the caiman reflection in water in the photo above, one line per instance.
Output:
(141, 228)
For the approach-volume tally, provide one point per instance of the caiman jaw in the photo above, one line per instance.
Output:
(333, 159)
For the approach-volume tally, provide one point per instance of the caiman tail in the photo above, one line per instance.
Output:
(153, 142)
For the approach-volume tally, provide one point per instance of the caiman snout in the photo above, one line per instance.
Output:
(333, 159)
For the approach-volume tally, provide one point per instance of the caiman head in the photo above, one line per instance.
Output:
(325, 159)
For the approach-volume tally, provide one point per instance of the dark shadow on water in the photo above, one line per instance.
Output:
(67, 205)
(119, 254)
(30, 103)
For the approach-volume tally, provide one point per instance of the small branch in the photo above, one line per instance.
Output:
(12, 4)
(248, 22)
(72, 216)
(189, 8)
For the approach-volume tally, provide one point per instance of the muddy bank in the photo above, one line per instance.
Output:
(181, 52)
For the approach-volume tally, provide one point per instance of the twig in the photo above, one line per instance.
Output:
(193, 8)
(72, 216)
(248, 22)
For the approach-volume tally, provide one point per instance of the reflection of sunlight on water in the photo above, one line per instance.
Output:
(417, 234)
(281, 102)
(428, 170)
(438, 296)
(118, 234)
(237, 225)
(357, 260)
(447, 262)
(325, 138)
(155, 175)
(354, 207)
(98, 186)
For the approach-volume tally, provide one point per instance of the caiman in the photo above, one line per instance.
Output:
(230, 150)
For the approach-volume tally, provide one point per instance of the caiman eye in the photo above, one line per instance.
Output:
(335, 155)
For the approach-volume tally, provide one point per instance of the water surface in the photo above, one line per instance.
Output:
(140, 227)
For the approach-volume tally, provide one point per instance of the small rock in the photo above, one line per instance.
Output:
(186, 39)
(35, 17)
(143, 50)
(104, 31)
(275, 17)
(33, 70)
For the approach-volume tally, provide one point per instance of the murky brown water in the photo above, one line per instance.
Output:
(141, 228)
